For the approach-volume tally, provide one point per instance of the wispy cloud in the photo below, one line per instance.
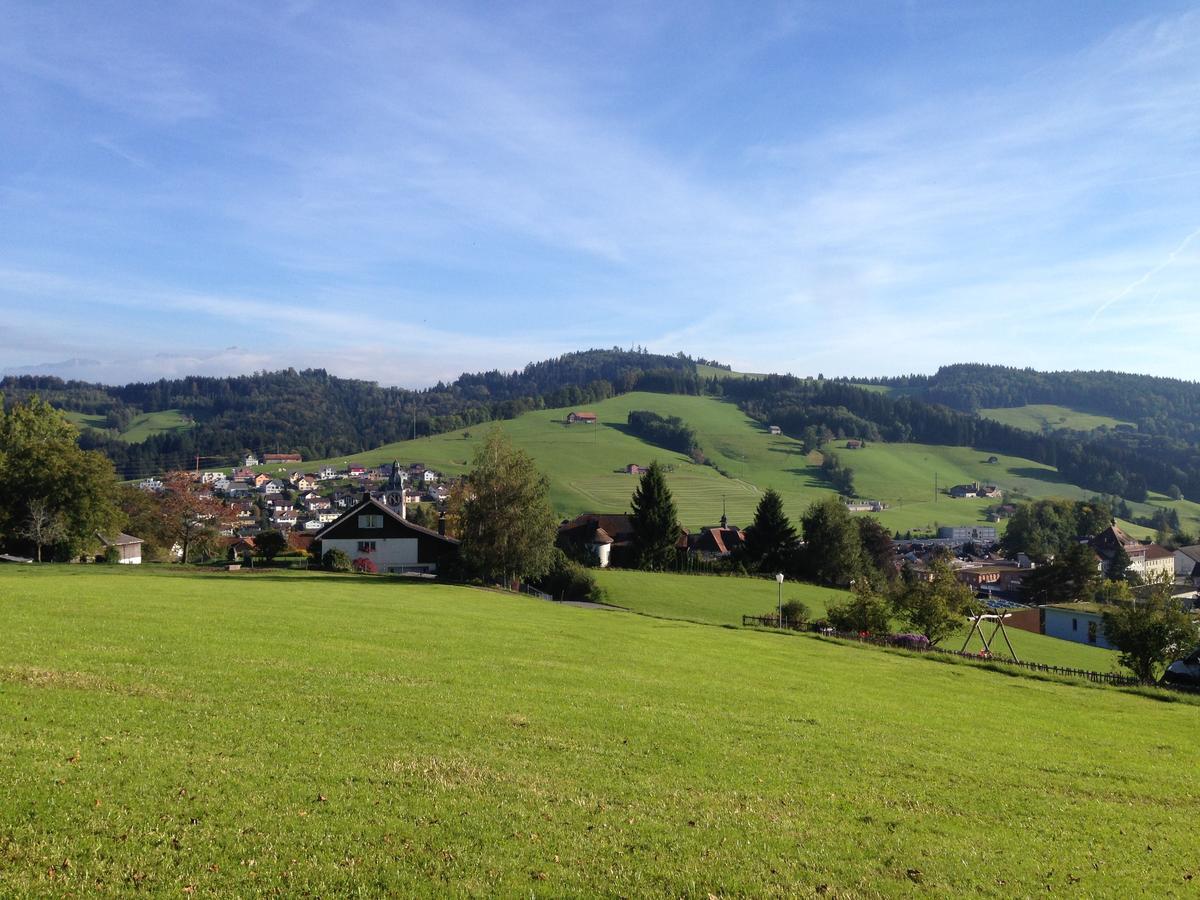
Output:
(512, 186)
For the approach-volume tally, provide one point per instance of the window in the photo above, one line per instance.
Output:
(1091, 632)
(366, 546)
(370, 521)
(1074, 624)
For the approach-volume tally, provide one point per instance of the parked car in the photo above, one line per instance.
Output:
(1184, 671)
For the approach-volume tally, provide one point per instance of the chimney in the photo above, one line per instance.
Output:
(366, 496)
(442, 524)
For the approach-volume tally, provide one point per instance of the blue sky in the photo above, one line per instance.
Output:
(403, 192)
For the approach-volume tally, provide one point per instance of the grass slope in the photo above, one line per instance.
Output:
(305, 734)
(723, 600)
(583, 463)
(1048, 417)
(141, 427)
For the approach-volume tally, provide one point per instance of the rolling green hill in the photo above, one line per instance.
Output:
(583, 463)
(1048, 417)
(141, 427)
(234, 734)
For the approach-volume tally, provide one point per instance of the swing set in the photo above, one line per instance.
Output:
(977, 628)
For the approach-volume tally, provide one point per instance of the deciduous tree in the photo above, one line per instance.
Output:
(936, 606)
(41, 462)
(1151, 631)
(188, 513)
(508, 526)
(832, 547)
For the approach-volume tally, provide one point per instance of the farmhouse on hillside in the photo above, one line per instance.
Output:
(588, 418)
(774, 429)
(269, 458)
(374, 531)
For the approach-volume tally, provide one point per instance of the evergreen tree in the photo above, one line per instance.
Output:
(1118, 566)
(771, 539)
(655, 524)
(508, 527)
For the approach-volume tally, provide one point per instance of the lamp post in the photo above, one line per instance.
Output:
(779, 587)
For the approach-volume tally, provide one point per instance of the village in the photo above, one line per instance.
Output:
(391, 518)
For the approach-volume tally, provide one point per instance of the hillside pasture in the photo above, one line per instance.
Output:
(584, 464)
(141, 427)
(308, 734)
(1042, 417)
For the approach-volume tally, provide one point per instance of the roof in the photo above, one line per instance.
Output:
(1156, 552)
(583, 415)
(120, 540)
(617, 526)
(600, 536)
(1112, 537)
(1192, 552)
(369, 502)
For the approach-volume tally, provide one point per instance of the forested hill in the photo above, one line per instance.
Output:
(1120, 463)
(1159, 406)
(320, 415)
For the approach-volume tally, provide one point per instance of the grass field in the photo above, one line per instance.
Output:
(723, 600)
(140, 427)
(583, 464)
(1047, 417)
(241, 734)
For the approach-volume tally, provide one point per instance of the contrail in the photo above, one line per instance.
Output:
(1146, 277)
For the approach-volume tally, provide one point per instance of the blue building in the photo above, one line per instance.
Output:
(1079, 622)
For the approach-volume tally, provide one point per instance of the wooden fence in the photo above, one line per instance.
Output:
(887, 640)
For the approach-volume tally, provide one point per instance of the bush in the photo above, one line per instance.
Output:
(364, 566)
(865, 613)
(910, 641)
(795, 612)
(112, 555)
(335, 561)
(567, 580)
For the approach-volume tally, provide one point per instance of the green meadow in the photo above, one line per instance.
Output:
(1048, 417)
(308, 734)
(584, 462)
(723, 600)
(141, 427)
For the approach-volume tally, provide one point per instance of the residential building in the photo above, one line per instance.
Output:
(1187, 562)
(1150, 561)
(978, 534)
(373, 530)
(587, 418)
(774, 429)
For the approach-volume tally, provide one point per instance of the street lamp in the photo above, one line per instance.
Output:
(779, 583)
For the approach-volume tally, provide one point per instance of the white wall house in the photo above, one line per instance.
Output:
(375, 531)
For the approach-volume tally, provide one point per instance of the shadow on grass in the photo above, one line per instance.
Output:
(1049, 476)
